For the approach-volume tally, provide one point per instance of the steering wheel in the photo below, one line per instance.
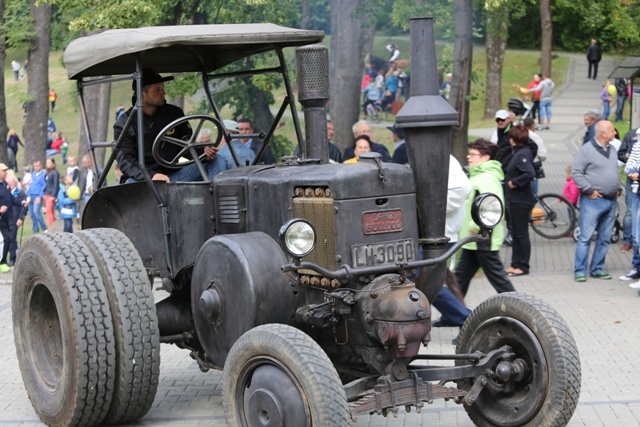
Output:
(186, 153)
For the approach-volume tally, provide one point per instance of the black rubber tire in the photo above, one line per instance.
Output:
(135, 323)
(63, 331)
(561, 364)
(564, 220)
(294, 357)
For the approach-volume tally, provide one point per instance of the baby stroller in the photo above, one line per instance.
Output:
(519, 108)
(615, 234)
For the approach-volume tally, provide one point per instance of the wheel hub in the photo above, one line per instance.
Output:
(272, 398)
(516, 389)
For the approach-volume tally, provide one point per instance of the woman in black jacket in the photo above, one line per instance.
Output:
(519, 174)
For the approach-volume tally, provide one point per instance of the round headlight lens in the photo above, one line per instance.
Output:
(299, 238)
(487, 210)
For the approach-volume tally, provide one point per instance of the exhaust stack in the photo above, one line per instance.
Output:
(313, 93)
(427, 119)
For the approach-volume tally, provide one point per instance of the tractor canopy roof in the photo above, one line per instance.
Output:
(180, 48)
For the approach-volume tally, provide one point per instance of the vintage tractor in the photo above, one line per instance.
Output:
(308, 283)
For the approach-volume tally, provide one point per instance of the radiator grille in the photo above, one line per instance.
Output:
(319, 211)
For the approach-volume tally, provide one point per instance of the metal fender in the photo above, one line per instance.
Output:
(237, 284)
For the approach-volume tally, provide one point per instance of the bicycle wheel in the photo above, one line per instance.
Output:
(553, 216)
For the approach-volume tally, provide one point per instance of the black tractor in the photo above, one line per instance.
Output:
(308, 283)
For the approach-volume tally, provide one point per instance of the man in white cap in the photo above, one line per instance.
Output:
(156, 115)
(504, 121)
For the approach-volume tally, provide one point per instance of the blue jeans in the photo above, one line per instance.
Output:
(627, 232)
(191, 173)
(452, 310)
(545, 110)
(595, 215)
(606, 109)
(35, 212)
(620, 107)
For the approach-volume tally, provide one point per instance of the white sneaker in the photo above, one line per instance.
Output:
(635, 285)
(632, 275)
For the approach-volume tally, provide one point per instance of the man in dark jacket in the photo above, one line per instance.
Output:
(5, 217)
(594, 55)
(400, 153)
(157, 114)
(19, 212)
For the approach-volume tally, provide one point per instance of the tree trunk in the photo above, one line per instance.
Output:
(547, 36)
(306, 15)
(96, 98)
(37, 111)
(496, 44)
(4, 128)
(461, 82)
(262, 112)
(347, 59)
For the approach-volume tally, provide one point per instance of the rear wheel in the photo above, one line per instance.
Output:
(63, 331)
(547, 393)
(276, 375)
(553, 216)
(134, 322)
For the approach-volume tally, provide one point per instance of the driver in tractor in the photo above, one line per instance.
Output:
(156, 115)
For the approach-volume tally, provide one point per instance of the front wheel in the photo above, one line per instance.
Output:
(276, 375)
(547, 392)
(553, 216)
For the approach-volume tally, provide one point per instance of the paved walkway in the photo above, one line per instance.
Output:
(603, 316)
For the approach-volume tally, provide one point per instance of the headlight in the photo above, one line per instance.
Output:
(487, 210)
(298, 237)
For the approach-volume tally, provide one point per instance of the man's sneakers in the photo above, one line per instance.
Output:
(602, 275)
(4, 268)
(635, 285)
(632, 275)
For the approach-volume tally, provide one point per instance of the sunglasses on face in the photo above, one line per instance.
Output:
(499, 120)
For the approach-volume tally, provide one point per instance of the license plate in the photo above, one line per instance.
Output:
(383, 253)
(382, 222)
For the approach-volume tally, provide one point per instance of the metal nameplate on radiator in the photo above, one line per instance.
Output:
(378, 222)
(383, 253)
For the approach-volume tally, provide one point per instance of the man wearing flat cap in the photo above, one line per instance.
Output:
(156, 115)
(400, 152)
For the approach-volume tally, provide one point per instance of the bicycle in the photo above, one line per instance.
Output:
(553, 216)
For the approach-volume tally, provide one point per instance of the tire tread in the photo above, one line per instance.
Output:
(135, 323)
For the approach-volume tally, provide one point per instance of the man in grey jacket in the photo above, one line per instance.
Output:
(595, 172)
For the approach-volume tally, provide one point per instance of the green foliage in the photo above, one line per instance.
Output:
(18, 25)
(440, 10)
(612, 22)
(91, 15)
(281, 146)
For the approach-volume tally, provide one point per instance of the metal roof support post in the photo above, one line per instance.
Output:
(427, 119)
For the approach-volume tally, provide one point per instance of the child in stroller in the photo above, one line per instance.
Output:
(519, 108)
